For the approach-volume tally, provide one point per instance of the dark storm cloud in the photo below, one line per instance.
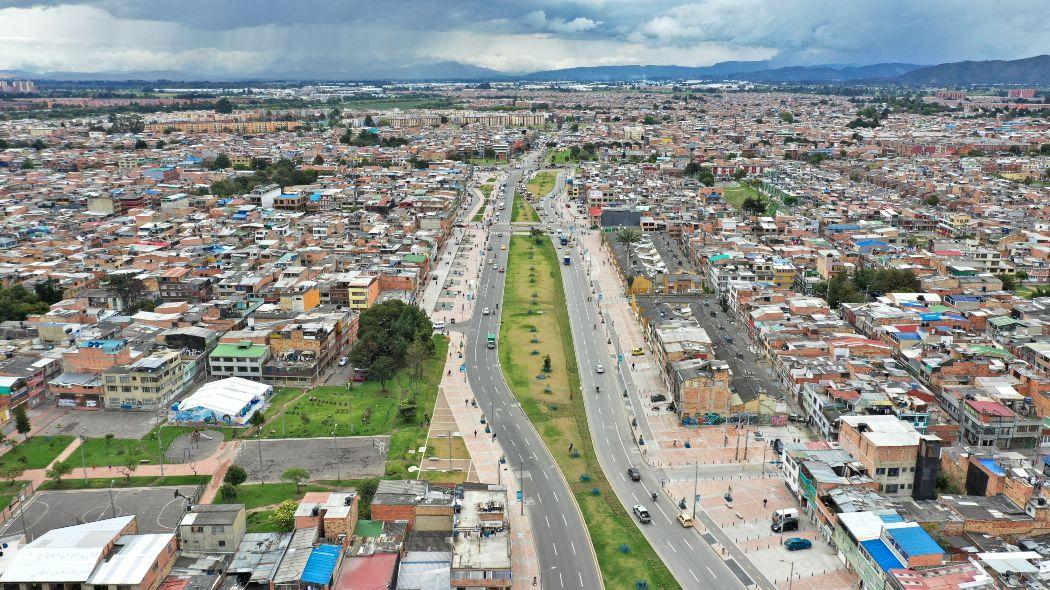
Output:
(229, 36)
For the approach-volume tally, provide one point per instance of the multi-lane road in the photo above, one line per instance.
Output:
(563, 547)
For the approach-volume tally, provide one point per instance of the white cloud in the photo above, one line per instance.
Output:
(537, 19)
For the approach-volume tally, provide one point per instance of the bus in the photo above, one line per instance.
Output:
(491, 341)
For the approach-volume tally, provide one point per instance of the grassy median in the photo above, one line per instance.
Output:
(535, 323)
(521, 210)
(541, 184)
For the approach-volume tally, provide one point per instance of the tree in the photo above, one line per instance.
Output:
(1009, 283)
(224, 106)
(790, 201)
(628, 237)
(28, 164)
(369, 122)
(235, 475)
(739, 174)
(9, 473)
(787, 117)
(283, 517)
(387, 329)
(297, 476)
(256, 420)
(692, 168)
(38, 144)
(1021, 275)
(160, 143)
(129, 467)
(318, 160)
(49, 291)
(59, 470)
(382, 370)
(706, 177)
(932, 200)
(415, 356)
(227, 492)
(140, 144)
(366, 490)
(221, 162)
(22, 424)
(547, 364)
(839, 290)
(127, 287)
(754, 205)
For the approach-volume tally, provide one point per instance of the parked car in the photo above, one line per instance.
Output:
(797, 544)
(642, 514)
(634, 474)
(343, 361)
(783, 526)
(637, 352)
(657, 397)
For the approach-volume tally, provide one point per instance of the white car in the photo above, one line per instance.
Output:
(485, 311)
(599, 369)
(343, 361)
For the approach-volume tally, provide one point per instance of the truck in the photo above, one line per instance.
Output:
(566, 260)
(490, 341)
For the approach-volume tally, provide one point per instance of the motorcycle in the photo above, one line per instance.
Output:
(653, 496)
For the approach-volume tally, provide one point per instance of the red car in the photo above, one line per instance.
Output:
(501, 269)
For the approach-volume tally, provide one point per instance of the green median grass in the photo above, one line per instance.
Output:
(541, 184)
(72, 482)
(535, 323)
(521, 210)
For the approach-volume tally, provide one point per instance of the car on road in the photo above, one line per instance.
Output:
(485, 311)
(495, 266)
(343, 361)
(503, 247)
(634, 474)
(501, 269)
(637, 352)
(599, 369)
(685, 519)
(797, 544)
(439, 326)
(759, 436)
(642, 514)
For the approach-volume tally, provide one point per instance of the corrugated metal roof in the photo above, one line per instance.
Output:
(882, 555)
(321, 564)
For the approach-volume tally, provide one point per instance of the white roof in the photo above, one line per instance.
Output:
(68, 554)
(133, 561)
(226, 396)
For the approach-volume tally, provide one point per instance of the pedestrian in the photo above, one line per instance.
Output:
(493, 435)
(764, 501)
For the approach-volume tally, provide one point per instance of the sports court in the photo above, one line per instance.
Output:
(157, 509)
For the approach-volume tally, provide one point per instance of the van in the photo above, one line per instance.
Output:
(685, 519)
(785, 513)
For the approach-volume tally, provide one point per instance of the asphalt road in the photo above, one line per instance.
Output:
(562, 544)
(687, 552)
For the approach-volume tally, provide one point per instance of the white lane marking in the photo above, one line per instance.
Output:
(565, 521)
(573, 545)
(694, 575)
(688, 544)
(547, 520)
(671, 546)
(555, 549)
(711, 572)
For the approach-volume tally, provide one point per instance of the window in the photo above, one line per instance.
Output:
(893, 472)
(222, 543)
(196, 529)
(891, 488)
(879, 471)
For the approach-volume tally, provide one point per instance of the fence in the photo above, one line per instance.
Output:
(23, 496)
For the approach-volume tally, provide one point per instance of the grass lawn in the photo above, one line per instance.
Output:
(535, 318)
(521, 210)
(486, 189)
(101, 483)
(9, 491)
(268, 494)
(98, 452)
(541, 184)
(480, 214)
(487, 161)
(563, 157)
(259, 522)
(36, 453)
(737, 193)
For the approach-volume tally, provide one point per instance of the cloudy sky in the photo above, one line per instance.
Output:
(242, 38)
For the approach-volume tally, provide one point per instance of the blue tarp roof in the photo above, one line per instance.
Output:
(930, 316)
(891, 517)
(321, 564)
(882, 555)
(992, 466)
(866, 243)
(843, 226)
(907, 336)
(914, 540)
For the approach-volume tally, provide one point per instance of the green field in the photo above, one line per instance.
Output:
(521, 210)
(35, 453)
(736, 194)
(541, 184)
(480, 214)
(269, 494)
(71, 482)
(535, 323)
(99, 452)
(560, 157)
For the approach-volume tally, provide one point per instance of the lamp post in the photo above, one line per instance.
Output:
(335, 453)
(112, 505)
(550, 569)
(160, 448)
(83, 459)
(791, 576)
(696, 480)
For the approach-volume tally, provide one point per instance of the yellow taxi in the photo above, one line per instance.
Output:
(637, 352)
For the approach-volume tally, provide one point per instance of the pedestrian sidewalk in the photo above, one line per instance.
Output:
(485, 453)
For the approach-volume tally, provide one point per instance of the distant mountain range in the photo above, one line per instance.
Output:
(1032, 71)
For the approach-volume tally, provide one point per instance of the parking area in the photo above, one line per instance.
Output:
(99, 423)
(157, 509)
(325, 458)
(746, 520)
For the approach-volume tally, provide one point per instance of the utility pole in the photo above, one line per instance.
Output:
(262, 474)
(696, 480)
(83, 459)
(521, 482)
(160, 448)
(112, 505)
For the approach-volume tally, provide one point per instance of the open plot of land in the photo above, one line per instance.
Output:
(157, 509)
(178, 443)
(540, 323)
(737, 193)
(325, 458)
(99, 423)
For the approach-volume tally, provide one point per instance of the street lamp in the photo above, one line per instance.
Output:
(791, 576)
(112, 505)
(540, 577)
(335, 453)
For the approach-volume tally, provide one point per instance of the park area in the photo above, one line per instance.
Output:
(535, 324)
(35, 453)
(521, 210)
(736, 194)
(541, 184)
